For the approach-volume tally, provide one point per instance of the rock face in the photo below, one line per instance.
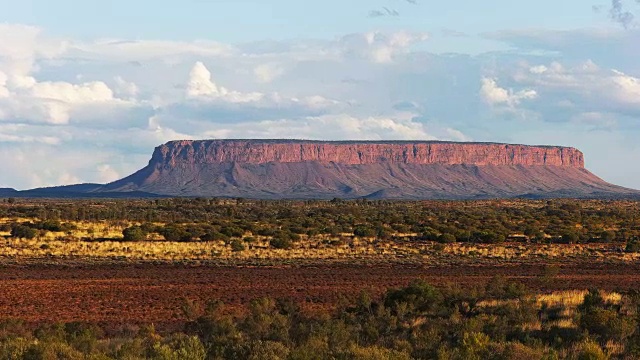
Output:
(363, 153)
(374, 169)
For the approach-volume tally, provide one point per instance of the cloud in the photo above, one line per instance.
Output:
(587, 84)
(620, 14)
(142, 51)
(338, 127)
(201, 85)
(385, 11)
(349, 47)
(53, 102)
(107, 174)
(211, 97)
(21, 45)
(125, 88)
(493, 94)
(379, 47)
(266, 73)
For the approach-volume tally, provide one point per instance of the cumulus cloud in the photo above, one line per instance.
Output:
(495, 95)
(21, 45)
(213, 98)
(53, 102)
(201, 85)
(587, 83)
(339, 127)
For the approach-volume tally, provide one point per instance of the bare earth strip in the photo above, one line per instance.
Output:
(119, 294)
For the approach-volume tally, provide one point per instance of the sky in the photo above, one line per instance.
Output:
(89, 88)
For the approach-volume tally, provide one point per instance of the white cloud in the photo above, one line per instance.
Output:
(107, 174)
(379, 47)
(586, 84)
(201, 88)
(21, 45)
(201, 85)
(53, 102)
(144, 50)
(126, 89)
(495, 95)
(266, 73)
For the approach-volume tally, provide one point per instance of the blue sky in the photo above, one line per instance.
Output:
(242, 20)
(100, 83)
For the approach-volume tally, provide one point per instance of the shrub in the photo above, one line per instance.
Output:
(173, 233)
(633, 246)
(570, 238)
(446, 239)
(281, 243)
(418, 295)
(50, 225)
(363, 231)
(23, 232)
(237, 246)
(231, 231)
(133, 233)
(590, 350)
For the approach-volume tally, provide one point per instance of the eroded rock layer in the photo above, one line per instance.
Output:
(363, 152)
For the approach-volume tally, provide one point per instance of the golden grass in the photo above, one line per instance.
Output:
(344, 246)
(573, 298)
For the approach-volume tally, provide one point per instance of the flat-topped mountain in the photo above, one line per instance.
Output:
(374, 169)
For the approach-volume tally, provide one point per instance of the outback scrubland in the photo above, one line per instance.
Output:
(234, 279)
(269, 232)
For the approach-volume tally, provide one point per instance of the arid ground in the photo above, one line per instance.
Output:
(116, 295)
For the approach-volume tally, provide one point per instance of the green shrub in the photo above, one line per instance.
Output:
(23, 232)
(174, 233)
(363, 231)
(237, 246)
(446, 239)
(590, 350)
(133, 233)
(633, 246)
(281, 243)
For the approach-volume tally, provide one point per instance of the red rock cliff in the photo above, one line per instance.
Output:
(363, 152)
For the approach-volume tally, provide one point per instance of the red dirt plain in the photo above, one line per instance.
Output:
(119, 295)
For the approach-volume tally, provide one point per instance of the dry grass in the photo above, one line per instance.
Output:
(572, 299)
(343, 246)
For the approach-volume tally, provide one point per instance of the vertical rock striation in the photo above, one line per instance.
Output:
(363, 153)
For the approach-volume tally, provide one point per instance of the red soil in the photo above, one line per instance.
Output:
(119, 295)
